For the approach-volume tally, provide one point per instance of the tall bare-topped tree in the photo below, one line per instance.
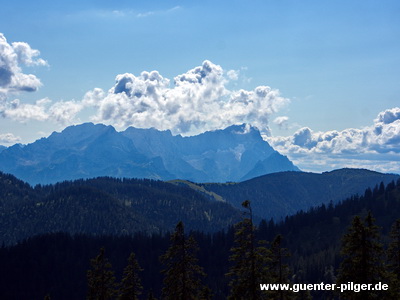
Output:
(279, 270)
(250, 261)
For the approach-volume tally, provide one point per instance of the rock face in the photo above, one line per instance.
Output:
(88, 150)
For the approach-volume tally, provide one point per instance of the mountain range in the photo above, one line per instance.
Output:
(93, 179)
(236, 153)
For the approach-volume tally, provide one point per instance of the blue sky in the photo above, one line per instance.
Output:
(331, 68)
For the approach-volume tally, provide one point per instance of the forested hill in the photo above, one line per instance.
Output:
(123, 206)
(56, 264)
(280, 194)
(105, 206)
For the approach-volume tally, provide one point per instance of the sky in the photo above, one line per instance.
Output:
(319, 79)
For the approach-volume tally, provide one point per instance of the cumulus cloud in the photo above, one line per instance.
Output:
(62, 112)
(12, 80)
(233, 75)
(191, 103)
(388, 116)
(198, 100)
(352, 147)
(9, 138)
(93, 97)
(22, 112)
(26, 55)
(12, 56)
(282, 122)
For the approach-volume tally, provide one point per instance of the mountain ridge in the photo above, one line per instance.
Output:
(90, 150)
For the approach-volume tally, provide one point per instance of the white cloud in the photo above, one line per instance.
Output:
(157, 12)
(64, 112)
(145, 14)
(121, 14)
(12, 79)
(191, 103)
(93, 97)
(61, 112)
(9, 138)
(26, 55)
(23, 113)
(282, 122)
(198, 101)
(369, 146)
(233, 75)
(388, 116)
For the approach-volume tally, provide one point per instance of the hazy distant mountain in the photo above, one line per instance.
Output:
(88, 150)
(80, 151)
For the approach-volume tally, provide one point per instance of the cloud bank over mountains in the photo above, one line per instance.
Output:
(198, 100)
(376, 146)
(191, 103)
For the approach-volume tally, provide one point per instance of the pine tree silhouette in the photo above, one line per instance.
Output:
(131, 285)
(183, 275)
(101, 279)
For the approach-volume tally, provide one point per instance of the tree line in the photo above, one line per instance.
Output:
(254, 262)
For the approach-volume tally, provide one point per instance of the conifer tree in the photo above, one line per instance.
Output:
(394, 249)
(205, 293)
(362, 257)
(329, 278)
(131, 286)
(182, 279)
(101, 279)
(250, 261)
(150, 296)
(393, 258)
(279, 271)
